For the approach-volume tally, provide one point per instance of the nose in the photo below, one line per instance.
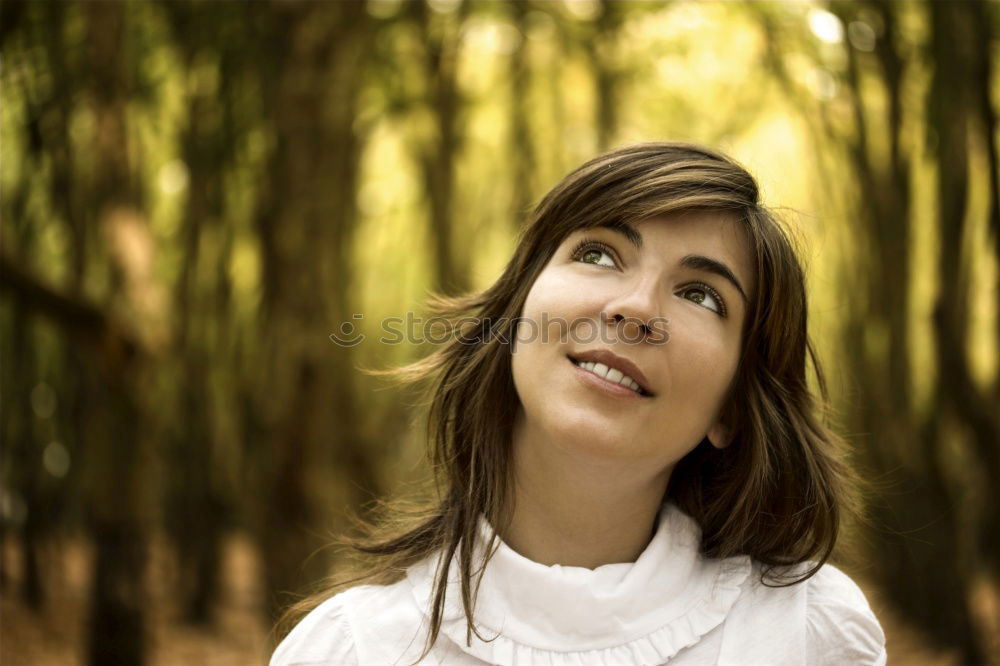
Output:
(637, 312)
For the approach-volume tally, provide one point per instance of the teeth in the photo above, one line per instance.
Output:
(611, 374)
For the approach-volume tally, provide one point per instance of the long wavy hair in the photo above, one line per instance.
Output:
(777, 493)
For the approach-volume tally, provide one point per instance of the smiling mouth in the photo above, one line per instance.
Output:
(602, 371)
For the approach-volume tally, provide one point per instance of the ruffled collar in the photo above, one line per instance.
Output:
(640, 612)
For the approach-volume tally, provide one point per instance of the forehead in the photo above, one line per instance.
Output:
(705, 230)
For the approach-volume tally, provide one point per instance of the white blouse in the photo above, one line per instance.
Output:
(669, 606)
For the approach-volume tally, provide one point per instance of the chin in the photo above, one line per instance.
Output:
(588, 433)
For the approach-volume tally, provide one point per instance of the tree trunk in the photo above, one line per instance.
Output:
(522, 147)
(952, 112)
(306, 405)
(115, 440)
(437, 161)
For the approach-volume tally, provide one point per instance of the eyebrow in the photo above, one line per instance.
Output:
(695, 262)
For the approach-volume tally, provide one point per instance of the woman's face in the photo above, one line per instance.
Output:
(661, 277)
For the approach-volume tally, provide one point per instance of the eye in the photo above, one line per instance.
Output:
(591, 252)
(702, 294)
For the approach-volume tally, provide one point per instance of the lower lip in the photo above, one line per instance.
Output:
(608, 387)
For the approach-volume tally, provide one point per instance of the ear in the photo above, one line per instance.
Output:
(719, 435)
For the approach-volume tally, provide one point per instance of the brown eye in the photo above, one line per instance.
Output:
(591, 252)
(702, 294)
(593, 256)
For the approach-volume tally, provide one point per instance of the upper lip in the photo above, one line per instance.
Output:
(613, 360)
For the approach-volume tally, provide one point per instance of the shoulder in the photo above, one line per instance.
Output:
(325, 636)
(822, 620)
(367, 624)
(840, 625)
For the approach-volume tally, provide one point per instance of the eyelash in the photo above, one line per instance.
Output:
(591, 244)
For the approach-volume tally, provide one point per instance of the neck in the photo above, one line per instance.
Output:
(576, 509)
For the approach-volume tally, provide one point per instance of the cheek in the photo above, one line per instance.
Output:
(525, 341)
(552, 301)
(530, 365)
(555, 304)
(550, 289)
(703, 364)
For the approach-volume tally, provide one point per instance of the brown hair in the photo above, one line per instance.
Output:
(776, 493)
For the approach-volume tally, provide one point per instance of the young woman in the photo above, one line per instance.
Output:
(632, 467)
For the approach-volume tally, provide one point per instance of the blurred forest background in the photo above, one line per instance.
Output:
(195, 195)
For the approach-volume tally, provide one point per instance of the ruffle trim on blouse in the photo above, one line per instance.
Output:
(705, 614)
